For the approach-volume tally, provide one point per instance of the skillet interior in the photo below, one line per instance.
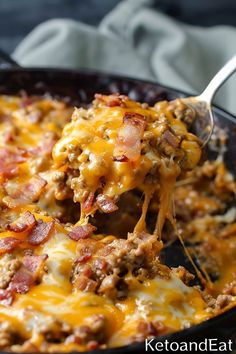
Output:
(80, 87)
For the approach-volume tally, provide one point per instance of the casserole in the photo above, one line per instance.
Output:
(80, 88)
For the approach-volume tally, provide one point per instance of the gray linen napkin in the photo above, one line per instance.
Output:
(136, 40)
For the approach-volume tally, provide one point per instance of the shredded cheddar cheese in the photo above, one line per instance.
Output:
(85, 201)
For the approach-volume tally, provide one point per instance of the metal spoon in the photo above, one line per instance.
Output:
(203, 123)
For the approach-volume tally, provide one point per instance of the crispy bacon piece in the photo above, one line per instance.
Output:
(7, 244)
(88, 203)
(156, 328)
(21, 281)
(8, 171)
(24, 223)
(128, 142)
(25, 277)
(6, 297)
(34, 263)
(41, 232)
(8, 157)
(28, 193)
(114, 100)
(100, 97)
(85, 248)
(106, 204)
(170, 138)
(9, 161)
(81, 232)
(33, 188)
(135, 119)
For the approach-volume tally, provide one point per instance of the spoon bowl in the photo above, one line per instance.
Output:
(203, 122)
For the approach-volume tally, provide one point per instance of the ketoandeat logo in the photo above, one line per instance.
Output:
(208, 345)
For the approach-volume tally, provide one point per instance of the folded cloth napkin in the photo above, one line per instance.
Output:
(138, 41)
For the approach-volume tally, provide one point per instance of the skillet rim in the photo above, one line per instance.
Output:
(88, 72)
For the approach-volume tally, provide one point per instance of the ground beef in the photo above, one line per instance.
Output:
(5, 335)
(93, 333)
(8, 336)
(230, 289)
(182, 112)
(124, 220)
(104, 267)
(168, 144)
(183, 274)
(7, 272)
(149, 329)
(209, 299)
(62, 189)
(53, 330)
(222, 301)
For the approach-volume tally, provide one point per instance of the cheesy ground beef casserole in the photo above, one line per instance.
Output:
(89, 199)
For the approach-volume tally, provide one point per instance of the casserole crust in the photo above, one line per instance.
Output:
(87, 205)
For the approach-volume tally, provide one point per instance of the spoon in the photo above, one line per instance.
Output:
(203, 123)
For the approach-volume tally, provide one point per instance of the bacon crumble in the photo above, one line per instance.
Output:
(41, 232)
(29, 193)
(81, 232)
(7, 244)
(25, 277)
(9, 161)
(6, 297)
(112, 153)
(24, 223)
(128, 142)
(88, 203)
(106, 204)
(34, 263)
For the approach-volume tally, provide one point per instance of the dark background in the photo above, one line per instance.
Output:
(19, 17)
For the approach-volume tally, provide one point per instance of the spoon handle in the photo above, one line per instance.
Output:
(228, 69)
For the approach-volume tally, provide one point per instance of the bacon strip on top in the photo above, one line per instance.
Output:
(128, 142)
(7, 244)
(81, 232)
(25, 222)
(41, 232)
(28, 273)
(106, 204)
(9, 161)
(27, 193)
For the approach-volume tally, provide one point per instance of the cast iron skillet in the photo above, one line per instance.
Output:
(79, 87)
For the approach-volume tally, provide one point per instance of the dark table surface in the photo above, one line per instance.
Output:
(19, 17)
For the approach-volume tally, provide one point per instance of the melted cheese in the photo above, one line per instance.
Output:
(94, 134)
(86, 147)
(166, 300)
(91, 142)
